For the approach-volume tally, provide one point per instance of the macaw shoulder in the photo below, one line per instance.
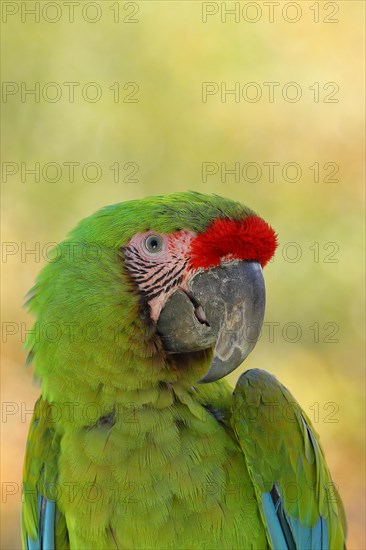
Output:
(299, 502)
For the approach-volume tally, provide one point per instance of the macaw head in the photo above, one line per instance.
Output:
(203, 284)
(165, 278)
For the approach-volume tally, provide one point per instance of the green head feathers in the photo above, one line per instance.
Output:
(93, 333)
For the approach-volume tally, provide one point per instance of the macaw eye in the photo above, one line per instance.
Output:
(153, 244)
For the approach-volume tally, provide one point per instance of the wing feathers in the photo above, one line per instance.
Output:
(43, 526)
(287, 466)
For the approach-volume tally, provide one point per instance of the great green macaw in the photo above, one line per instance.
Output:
(136, 442)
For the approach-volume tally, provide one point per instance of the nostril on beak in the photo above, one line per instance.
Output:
(198, 309)
(201, 316)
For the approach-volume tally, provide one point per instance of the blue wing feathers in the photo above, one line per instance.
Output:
(286, 532)
(46, 526)
(48, 539)
(273, 526)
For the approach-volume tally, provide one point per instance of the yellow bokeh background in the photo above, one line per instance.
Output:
(162, 54)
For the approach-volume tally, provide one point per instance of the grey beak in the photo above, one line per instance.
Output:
(224, 309)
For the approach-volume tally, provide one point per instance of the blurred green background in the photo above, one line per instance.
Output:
(160, 54)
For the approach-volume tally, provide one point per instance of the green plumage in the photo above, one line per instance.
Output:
(138, 455)
(280, 446)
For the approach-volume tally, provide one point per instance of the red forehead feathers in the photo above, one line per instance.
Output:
(248, 239)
